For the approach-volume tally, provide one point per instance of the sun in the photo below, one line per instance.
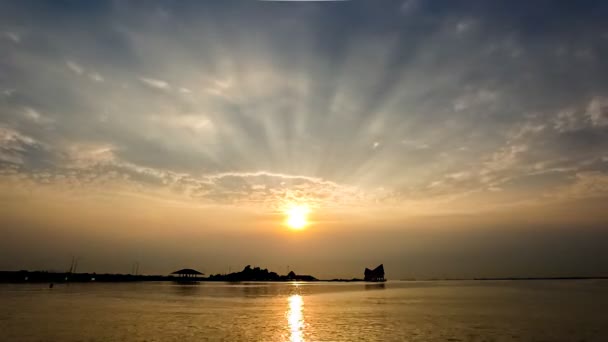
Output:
(297, 216)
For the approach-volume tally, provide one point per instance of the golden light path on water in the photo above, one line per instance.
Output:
(295, 318)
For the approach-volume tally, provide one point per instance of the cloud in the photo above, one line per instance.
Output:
(568, 120)
(278, 190)
(588, 184)
(34, 116)
(95, 169)
(81, 71)
(8, 92)
(416, 145)
(14, 146)
(479, 98)
(464, 26)
(593, 115)
(446, 117)
(15, 37)
(409, 6)
(74, 67)
(96, 77)
(82, 156)
(597, 110)
(192, 122)
(154, 83)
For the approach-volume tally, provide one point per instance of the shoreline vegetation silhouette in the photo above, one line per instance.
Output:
(248, 274)
(184, 275)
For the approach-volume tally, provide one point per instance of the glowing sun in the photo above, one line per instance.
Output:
(297, 216)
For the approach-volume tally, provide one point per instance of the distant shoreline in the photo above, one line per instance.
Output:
(65, 277)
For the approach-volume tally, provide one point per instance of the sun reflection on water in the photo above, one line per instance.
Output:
(295, 318)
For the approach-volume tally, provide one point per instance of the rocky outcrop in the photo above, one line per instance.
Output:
(377, 274)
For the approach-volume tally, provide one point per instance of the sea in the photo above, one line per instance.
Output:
(521, 310)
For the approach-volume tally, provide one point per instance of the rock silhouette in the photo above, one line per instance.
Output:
(377, 274)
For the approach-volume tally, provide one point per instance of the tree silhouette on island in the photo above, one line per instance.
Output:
(260, 274)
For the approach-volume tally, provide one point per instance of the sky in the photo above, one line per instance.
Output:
(441, 138)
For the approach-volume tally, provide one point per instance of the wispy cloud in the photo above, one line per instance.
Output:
(598, 111)
(14, 146)
(74, 67)
(15, 37)
(34, 116)
(81, 71)
(155, 83)
(418, 145)
(96, 77)
(8, 92)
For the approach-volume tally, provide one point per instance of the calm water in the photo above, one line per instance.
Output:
(395, 311)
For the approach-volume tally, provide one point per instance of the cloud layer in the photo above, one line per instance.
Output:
(337, 104)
